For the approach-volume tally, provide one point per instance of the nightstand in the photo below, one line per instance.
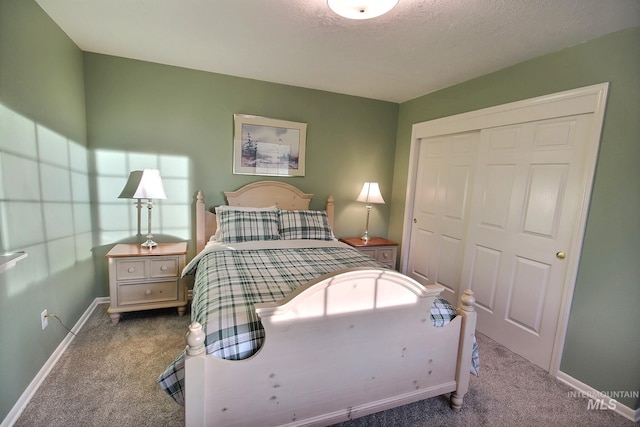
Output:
(378, 248)
(143, 279)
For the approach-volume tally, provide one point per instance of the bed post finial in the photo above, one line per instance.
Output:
(195, 339)
(201, 222)
(329, 208)
(468, 300)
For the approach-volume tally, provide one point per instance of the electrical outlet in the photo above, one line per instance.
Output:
(43, 319)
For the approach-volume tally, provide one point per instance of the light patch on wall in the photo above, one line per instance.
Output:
(118, 218)
(49, 201)
(25, 188)
(44, 200)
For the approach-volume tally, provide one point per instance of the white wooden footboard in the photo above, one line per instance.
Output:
(342, 346)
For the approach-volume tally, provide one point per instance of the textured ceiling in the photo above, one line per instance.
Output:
(417, 48)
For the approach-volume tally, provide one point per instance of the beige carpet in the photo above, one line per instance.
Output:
(107, 377)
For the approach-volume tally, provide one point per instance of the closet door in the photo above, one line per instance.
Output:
(440, 213)
(527, 196)
(509, 221)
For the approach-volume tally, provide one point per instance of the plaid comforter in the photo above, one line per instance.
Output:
(230, 281)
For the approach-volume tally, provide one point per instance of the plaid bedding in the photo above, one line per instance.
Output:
(239, 279)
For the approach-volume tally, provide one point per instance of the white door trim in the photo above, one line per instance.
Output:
(589, 99)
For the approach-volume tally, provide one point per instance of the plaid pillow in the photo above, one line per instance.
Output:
(244, 226)
(218, 234)
(304, 225)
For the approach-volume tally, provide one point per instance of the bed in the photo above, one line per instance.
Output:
(324, 333)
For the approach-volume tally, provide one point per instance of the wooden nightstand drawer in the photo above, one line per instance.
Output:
(130, 269)
(164, 267)
(143, 293)
(368, 252)
(382, 250)
(386, 256)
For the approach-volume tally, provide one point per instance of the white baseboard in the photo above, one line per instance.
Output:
(31, 389)
(607, 401)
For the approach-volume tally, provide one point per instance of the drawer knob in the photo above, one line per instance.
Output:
(147, 292)
(131, 269)
(385, 255)
(164, 268)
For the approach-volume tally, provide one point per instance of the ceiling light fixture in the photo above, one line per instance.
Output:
(361, 9)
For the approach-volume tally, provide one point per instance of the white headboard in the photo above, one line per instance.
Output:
(256, 194)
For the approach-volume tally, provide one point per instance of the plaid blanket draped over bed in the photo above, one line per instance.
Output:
(230, 282)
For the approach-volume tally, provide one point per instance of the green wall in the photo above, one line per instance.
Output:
(44, 192)
(135, 106)
(602, 347)
(183, 119)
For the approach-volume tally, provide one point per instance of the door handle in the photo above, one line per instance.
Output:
(560, 255)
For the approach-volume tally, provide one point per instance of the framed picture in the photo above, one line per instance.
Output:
(264, 146)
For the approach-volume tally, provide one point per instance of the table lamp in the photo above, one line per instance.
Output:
(370, 194)
(144, 184)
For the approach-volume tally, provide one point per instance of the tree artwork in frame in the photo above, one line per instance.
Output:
(264, 146)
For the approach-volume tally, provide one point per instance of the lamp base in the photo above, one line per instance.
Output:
(365, 237)
(149, 244)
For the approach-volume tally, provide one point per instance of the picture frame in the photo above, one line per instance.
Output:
(266, 146)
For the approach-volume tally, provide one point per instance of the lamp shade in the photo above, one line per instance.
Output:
(361, 9)
(370, 193)
(144, 184)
